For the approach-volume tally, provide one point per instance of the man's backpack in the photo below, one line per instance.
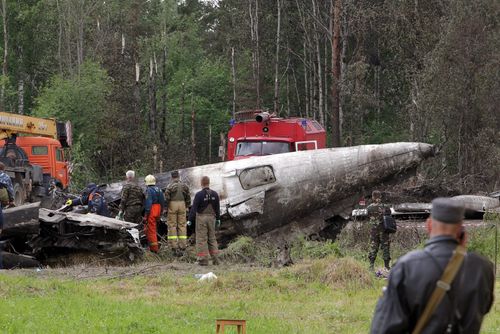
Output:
(390, 225)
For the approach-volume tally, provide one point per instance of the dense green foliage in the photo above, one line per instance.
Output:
(130, 75)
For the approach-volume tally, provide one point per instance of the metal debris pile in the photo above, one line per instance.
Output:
(32, 235)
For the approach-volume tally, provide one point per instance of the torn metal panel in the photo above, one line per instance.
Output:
(13, 261)
(89, 219)
(251, 206)
(413, 207)
(20, 215)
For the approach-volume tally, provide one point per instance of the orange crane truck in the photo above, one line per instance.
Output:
(32, 152)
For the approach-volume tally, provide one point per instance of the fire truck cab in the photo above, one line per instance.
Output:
(257, 133)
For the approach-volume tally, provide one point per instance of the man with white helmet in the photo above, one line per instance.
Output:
(132, 200)
(153, 208)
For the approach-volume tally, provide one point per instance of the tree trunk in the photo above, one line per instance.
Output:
(306, 80)
(193, 138)
(319, 73)
(257, 51)
(152, 98)
(276, 63)
(336, 74)
(59, 38)
(183, 100)
(209, 143)
(5, 53)
(20, 96)
(137, 90)
(254, 34)
(233, 72)
(222, 151)
(299, 103)
(164, 96)
(343, 69)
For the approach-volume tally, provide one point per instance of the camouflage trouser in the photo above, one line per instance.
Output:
(206, 243)
(133, 214)
(378, 238)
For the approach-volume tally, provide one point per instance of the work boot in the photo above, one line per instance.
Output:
(202, 262)
(386, 264)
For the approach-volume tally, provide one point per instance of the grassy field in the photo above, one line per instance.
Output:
(316, 296)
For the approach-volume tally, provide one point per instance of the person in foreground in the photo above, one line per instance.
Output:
(415, 276)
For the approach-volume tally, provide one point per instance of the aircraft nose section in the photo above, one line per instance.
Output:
(427, 150)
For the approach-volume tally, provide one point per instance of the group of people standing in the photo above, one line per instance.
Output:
(147, 207)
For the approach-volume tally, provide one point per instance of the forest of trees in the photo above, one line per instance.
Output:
(137, 77)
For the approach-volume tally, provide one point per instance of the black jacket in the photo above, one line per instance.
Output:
(201, 200)
(412, 281)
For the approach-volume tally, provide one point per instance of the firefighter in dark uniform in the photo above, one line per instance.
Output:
(177, 198)
(378, 237)
(415, 276)
(205, 211)
(132, 200)
(93, 198)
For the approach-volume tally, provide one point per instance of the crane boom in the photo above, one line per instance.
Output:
(13, 124)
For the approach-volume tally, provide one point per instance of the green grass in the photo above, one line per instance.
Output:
(290, 300)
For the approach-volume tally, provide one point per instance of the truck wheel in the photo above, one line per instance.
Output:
(19, 194)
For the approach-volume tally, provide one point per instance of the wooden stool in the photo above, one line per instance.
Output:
(240, 324)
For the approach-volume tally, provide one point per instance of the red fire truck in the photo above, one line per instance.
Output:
(256, 133)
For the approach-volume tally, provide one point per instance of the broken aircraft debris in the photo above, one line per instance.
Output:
(32, 233)
(299, 192)
(475, 207)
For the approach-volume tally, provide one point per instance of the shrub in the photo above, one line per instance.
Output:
(302, 248)
(335, 272)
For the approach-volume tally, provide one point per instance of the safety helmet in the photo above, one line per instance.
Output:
(150, 180)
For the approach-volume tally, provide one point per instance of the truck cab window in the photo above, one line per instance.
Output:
(59, 155)
(39, 150)
(275, 147)
(248, 148)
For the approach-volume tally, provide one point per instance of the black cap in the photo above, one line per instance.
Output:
(447, 210)
(175, 174)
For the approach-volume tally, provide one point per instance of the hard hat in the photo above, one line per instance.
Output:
(150, 180)
(91, 186)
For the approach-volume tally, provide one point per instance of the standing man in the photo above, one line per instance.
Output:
(378, 236)
(178, 199)
(6, 198)
(206, 212)
(6, 188)
(132, 202)
(468, 296)
(155, 203)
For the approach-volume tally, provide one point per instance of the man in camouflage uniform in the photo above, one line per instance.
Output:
(132, 202)
(378, 236)
(178, 199)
